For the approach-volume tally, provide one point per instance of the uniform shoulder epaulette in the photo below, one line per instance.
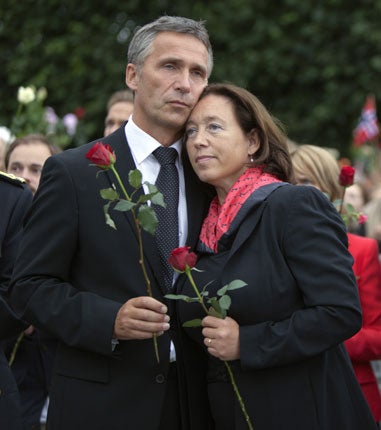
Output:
(12, 179)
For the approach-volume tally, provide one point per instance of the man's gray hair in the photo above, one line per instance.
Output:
(141, 44)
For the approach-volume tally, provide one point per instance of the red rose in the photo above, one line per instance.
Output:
(80, 112)
(101, 155)
(362, 219)
(180, 258)
(346, 176)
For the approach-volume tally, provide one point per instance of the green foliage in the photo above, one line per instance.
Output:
(218, 306)
(143, 214)
(311, 63)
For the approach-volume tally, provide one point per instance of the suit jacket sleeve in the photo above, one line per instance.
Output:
(366, 344)
(41, 291)
(12, 213)
(325, 308)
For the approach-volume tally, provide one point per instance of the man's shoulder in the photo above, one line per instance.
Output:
(13, 189)
(13, 180)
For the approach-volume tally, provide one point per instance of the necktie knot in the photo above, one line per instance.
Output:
(165, 155)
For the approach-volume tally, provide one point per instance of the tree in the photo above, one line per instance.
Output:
(311, 63)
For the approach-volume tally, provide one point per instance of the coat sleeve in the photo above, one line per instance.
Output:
(366, 344)
(41, 291)
(313, 243)
(11, 222)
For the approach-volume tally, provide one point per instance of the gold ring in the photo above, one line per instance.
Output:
(209, 341)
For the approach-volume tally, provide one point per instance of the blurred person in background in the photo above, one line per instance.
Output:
(26, 156)
(373, 223)
(32, 367)
(315, 166)
(356, 195)
(119, 109)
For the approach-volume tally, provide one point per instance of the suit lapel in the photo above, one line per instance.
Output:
(124, 164)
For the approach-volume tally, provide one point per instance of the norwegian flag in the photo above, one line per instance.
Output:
(367, 128)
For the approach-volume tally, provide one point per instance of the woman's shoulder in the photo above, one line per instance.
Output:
(297, 193)
(299, 202)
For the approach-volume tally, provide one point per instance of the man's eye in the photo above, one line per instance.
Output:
(198, 74)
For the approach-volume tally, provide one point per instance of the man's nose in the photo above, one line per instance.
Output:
(183, 82)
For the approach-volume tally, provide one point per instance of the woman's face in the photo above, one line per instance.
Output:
(218, 148)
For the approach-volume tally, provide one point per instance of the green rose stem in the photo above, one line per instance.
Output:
(240, 401)
(231, 375)
(141, 255)
(191, 280)
(15, 348)
(342, 201)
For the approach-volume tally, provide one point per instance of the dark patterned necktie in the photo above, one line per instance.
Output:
(167, 232)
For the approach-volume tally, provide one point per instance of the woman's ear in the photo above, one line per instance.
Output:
(253, 141)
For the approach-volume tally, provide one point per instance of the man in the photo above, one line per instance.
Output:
(26, 156)
(86, 276)
(119, 109)
(15, 199)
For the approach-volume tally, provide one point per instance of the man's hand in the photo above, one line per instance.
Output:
(139, 318)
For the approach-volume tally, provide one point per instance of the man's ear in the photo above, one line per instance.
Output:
(254, 143)
(132, 76)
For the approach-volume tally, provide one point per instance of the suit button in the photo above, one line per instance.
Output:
(160, 378)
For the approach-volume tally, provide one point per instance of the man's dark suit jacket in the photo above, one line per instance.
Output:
(73, 275)
(15, 199)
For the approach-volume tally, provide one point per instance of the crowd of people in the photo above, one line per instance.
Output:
(292, 348)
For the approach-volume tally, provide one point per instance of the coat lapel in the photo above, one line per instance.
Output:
(249, 218)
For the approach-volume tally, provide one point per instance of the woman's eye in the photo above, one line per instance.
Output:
(214, 127)
(190, 132)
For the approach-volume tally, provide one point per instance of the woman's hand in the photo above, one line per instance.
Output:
(221, 337)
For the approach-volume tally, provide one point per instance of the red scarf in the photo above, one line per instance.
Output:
(220, 217)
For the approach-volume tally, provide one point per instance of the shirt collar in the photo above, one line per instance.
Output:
(142, 144)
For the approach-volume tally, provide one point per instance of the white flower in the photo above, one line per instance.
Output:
(26, 95)
(70, 122)
(6, 135)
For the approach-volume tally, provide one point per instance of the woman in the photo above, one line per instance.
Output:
(319, 168)
(284, 331)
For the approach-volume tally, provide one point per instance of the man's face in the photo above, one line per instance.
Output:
(27, 160)
(168, 85)
(117, 115)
